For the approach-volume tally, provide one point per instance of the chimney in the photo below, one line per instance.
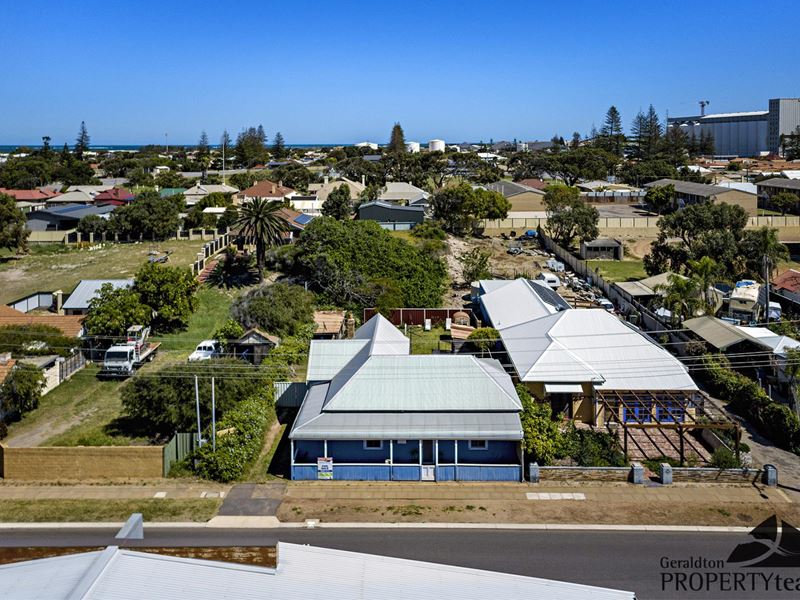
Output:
(350, 326)
(325, 179)
(364, 180)
(58, 302)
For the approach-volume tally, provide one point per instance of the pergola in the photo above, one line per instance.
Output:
(659, 410)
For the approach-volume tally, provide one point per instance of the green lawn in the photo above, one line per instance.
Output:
(68, 511)
(425, 342)
(53, 267)
(84, 410)
(619, 270)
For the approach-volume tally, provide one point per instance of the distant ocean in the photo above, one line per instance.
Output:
(5, 148)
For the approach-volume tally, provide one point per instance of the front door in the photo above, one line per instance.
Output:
(428, 468)
(428, 473)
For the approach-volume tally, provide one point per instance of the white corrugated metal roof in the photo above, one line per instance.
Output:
(303, 572)
(327, 357)
(88, 289)
(514, 303)
(592, 345)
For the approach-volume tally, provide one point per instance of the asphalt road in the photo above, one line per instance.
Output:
(622, 560)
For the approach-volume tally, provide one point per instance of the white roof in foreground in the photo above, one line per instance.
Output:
(303, 572)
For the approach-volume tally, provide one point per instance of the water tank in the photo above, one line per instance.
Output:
(412, 147)
(436, 146)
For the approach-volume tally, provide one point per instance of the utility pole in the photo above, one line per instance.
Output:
(766, 262)
(197, 403)
(213, 418)
(166, 142)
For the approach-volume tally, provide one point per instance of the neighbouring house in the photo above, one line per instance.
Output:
(50, 366)
(197, 192)
(523, 198)
(35, 195)
(689, 192)
(591, 367)
(770, 187)
(115, 196)
(400, 192)
(254, 345)
(746, 302)
(603, 186)
(169, 192)
(602, 248)
(787, 285)
(266, 190)
(78, 301)
(373, 411)
(537, 184)
(329, 325)
(69, 325)
(323, 190)
(740, 343)
(295, 221)
(67, 217)
(392, 216)
(647, 289)
(300, 571)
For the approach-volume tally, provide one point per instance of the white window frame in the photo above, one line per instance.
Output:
(485, 446)
(367, 447)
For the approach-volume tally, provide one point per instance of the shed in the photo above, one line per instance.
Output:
(392, 216)
(602, 248)
(329, 324)
(78, 301)
(254, 345)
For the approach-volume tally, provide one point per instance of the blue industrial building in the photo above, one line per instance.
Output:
(375, 412)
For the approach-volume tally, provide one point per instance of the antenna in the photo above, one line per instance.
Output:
(703, 104)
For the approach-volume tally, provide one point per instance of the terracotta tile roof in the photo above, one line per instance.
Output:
(537, 184)
(267, 189)
(29, 195)
(788, 280)
(119, 194)
(69, 325)
(5, 368)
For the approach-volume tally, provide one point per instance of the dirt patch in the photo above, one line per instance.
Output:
(638, 247)
(534, 511)
(46, 429)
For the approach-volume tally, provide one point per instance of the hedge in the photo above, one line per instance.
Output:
(237, 449)
(776, 421)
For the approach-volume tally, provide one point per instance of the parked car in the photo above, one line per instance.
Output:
(206, 350)
(606, 303)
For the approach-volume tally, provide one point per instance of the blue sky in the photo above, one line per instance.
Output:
(345, 71)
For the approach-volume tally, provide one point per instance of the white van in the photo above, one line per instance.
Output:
(549, 279)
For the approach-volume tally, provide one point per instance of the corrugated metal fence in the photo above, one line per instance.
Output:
(289, 394)
(70, 365)
(178, 448)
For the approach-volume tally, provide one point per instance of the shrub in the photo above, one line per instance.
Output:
(236, 450)
(22, 389)
(228, 333)
(723, 458)
(279, 308)
(591, 448)
(484, 338)
(164, 401)
(475, 264)
(541, 435)
(3, 430)
(169, 292)
(777, 421)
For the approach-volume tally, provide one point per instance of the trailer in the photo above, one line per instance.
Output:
(122, 360)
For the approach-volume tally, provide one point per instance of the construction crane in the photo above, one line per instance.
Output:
(703, 104)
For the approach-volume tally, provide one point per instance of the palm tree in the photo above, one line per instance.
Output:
(260, 220)
(705, 272)
(682, 296)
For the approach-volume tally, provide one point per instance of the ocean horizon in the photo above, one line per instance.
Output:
(5, 148)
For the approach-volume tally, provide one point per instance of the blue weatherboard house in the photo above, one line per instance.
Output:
(373, 411)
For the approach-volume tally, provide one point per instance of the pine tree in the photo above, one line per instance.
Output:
(202, 145)
(225, 140)
(646, 132)
(611, 133)
(576, 140)
(706, 146)
(791, 145)
(262, 137)
(675, 146)
(397, 142)
(82, 141)
(278, 147)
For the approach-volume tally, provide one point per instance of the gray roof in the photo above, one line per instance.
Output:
(691, 188)
(602, 243)
(88, 288)
(510, 188)
(518, 301)
(302, 572)
(715, 331)
(780, 182)
(392, 206)
(372, 384)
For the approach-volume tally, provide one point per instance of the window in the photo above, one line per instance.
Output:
(373, 444)
(478, 444)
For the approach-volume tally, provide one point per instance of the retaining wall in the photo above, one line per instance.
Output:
(82, 463)
(711, 475)
(547, 474)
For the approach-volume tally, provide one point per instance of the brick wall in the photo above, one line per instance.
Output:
(82, 462)
(584, 473)
(708, 475)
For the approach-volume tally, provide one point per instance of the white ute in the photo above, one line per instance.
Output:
(206, 350)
